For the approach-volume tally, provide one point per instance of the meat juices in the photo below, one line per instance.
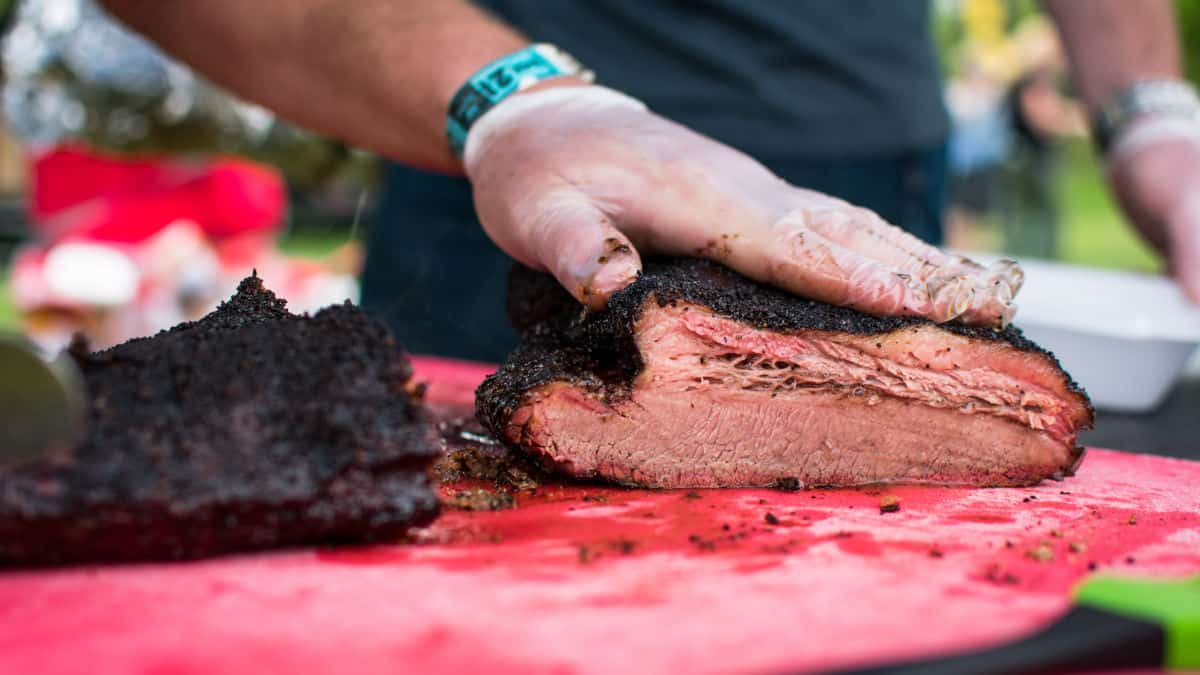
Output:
(698, 377)
(252, 428)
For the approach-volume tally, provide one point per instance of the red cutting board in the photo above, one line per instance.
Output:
(596, 579)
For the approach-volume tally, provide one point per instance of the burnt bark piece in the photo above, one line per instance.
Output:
(252, 428)
(695, 376)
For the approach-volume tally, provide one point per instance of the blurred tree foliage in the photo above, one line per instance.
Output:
(1189, 28)
(949, 32)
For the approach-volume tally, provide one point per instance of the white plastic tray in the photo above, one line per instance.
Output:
(1126, 337)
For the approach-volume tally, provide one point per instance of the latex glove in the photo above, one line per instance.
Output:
(579, 180)
(1155, 170)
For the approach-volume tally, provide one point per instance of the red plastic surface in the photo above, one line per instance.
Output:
(81, 193)
(596, 579)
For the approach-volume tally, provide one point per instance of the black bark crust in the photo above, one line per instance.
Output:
(252, 428)
(561, 342)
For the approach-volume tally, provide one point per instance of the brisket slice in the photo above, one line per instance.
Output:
(249, 429)
(695, 376)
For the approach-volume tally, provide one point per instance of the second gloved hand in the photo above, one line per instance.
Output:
(1155, 170)
(580, 180)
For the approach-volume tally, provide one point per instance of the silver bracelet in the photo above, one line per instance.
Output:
(1169, 98)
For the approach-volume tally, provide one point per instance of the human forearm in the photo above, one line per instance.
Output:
(377, 73)
(1153, 151)
(1114, 43)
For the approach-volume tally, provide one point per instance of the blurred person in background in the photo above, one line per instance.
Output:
(1041, 116)
(1009, 113)
(843, 98)
(981, 142)
(980, 139)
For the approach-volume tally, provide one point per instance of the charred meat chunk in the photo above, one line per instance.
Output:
(252, 428)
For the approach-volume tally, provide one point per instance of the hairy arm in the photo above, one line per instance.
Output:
(376, 73)
(1114, 43)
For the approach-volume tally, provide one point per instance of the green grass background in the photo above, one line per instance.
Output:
(1093, 231)
(7, 313)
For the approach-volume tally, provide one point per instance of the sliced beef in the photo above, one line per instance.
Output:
(249, 429)
(698, 377)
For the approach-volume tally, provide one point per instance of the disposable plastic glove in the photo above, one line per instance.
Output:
(1155, 170)
(580, 180)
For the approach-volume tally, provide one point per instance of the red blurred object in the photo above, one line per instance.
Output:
(66, 176)
(599, 579)
(79, 193)
(130, 245)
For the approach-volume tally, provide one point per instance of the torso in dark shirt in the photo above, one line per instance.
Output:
(775, 78)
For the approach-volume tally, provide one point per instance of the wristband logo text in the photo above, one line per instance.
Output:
(495, 82)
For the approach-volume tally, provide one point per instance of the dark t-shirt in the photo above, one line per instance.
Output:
(775, 78)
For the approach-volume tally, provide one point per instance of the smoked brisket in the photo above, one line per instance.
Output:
(695, 376)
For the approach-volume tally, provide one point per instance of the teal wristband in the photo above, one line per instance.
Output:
(501, 78)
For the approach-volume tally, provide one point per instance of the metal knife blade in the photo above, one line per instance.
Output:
(42, 402)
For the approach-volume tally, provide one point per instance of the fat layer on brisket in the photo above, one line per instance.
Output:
(249, 429)
(697, 377)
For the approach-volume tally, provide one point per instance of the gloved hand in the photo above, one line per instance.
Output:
(1154, 167)
(578, 180)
